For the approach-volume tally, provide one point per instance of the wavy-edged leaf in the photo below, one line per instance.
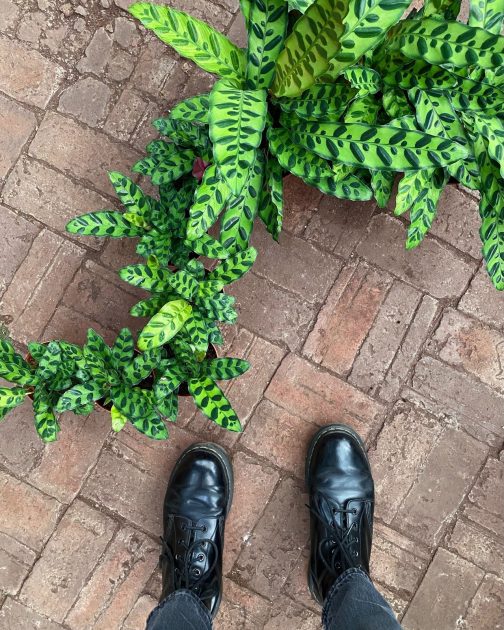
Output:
(184, 133)
(237, 119)
(10, 398)
(14, 372)
(211, 197)
(395, 103)
(218, 308)
(45, 421)
(196, 329)
(225, 368)
(80, 395)
(420, 74)
(271, 202)
(193, 39)
(235, 267)
(471, 95)
(36, 350)
(193, 109)
(413, 187)
(212, 402)
(152, 426)
(492, 129)
(453, 43)
(165, 324)
(168, 407)
(207, 246)
(308, 49)
(166, 169)
(142, 366)
(268, 25)
(129, 194)
(149, 277)
(324, 102)
(436, 115)
(238, 219)
(382, 183)
(50, 363)
(150, 306)
(423, 212)
(487, 14)
(366, 25)
(103, 223)
(492, 214)
(365, 80)
(183, 283)
(123, 349)
(246, 9)
(377, 147)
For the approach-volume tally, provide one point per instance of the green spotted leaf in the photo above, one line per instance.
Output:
(151, 426)
(492, 129)
(166, 169)
(80, 395)
(436, 115)
(207, 246)
(150, 306)
(129, 194)
(149, 277)
(453, 43)
(246, 9)
(324, 102)
(268, 25)
(212, 402)
(210, 199)
(395, 103)
(413, 188)
(123, 349)
(237, 119)
(183, 283)
(165, 324)
(103, 223)
(168, 407)
(118, 420)
(300, 5)
(14, 372)
(218, 308)
(471, 95)
(36, 350)
(10, 398)
(308, 49)
(422, 75)
(448, 9)
(365, 80)
(193, 109)
(142, 366)
(366, 25)
(184, 133)
(50, 362)
(487, 14)
(377, 147)
(271, 202)
(382, 183)
(196, 329)
(193, 39)
(235, 267)
(45, 421)
(238, 219)
(209, 288)
(224, 369)
(492, 214)
(423, 212)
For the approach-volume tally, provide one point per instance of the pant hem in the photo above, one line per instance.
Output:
(202, 611)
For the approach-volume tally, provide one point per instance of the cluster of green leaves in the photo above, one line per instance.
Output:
(51, 370)
(344, 94)
(187, 302)
(199, 374)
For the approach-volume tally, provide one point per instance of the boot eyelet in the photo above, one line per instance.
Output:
(205, 529)
(196, 572)
(200, 557)
(354, 511)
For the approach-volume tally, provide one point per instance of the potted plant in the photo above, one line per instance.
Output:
(344, 95)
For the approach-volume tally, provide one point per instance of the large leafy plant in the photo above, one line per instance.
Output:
(344, 94)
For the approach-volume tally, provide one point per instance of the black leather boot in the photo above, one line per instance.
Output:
(341, 492)
(196, 504)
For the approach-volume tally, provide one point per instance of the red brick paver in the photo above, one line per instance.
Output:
(339, 322)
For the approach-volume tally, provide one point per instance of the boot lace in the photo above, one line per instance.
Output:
(185, 574)
(340, 541)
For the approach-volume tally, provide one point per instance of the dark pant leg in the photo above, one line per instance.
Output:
(181, 610)
(354, 603)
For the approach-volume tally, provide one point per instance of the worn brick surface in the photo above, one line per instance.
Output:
(16, 126)
(80, 151)
(27, 76)
(430, 267)
(53, 199)
(39, 284)
(67, 560)
(347, 317)
(18, 235)
(339, 322)
(445, 593)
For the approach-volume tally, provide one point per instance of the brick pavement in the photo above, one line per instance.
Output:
(339, 322)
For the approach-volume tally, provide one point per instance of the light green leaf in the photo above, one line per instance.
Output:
(452, 43)
(45, 421)
(423, 212)
(377, 147)
(382, 183)
(413, 187)
(271, 202)
(152, 426)
(193, 39)
(118, 420)
(15, 372)
(212, 402)
(365, 80)
(268, 25)
(207, 246)
(492, 129)
(237, 119)
(194, 109)
(366, 24)
(196, 329)
(165, 324)
(150, 306)
(235, 267)
(224, 369)
(103, 223)
(487, 14)
(166, 169)
(422, 75)
(79, 396)
(324, 102)
(130, 195)
(211, 197)
(308, 49)
(448, 9)
(11, 397)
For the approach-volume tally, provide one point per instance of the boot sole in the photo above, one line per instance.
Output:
(332, 428)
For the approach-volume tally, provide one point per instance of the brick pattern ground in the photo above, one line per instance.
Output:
(341, 324)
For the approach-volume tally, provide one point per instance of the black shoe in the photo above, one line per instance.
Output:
(341, 492)
(196, 504)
